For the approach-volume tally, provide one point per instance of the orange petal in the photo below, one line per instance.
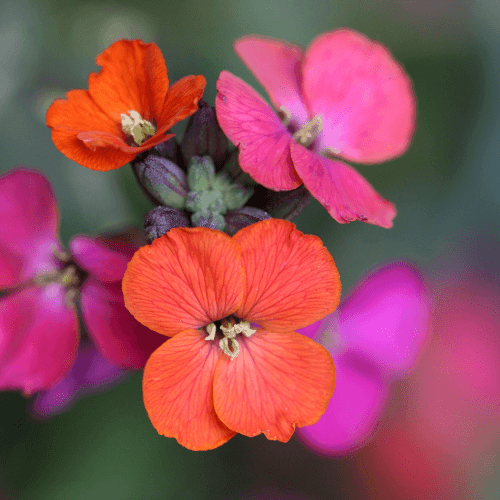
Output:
(292, 280)
(177, 390)
(133, 77)
(181, 101)
(277, 381)
(186, 279)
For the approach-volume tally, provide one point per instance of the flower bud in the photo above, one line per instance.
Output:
(201, 173)
(212, 220)
(203, 136)
(161, 219)
(238, 219)
(287, 204)
(210, 200)
(163, 180)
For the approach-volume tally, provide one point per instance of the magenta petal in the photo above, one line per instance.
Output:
(340, 189)
(353, 412)
(38, 338)
(120, 338)
(363, 94)
(90, 373)
(28, 226)
(102, 261)
(251, 124)
(386, 317)
(277, 66)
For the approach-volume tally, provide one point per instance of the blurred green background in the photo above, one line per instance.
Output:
(446, 189)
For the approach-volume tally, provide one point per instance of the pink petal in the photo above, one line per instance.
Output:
(102, 261)
(340, 189)
(353, 412)
(90, 373)
(120, 338)
(363, 94)
(277, 66)
(386, 317)
(38, 338)
(29, 222)
(250, 123)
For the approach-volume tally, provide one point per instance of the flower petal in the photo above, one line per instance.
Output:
(277, 381)
(277, 66)
(38, 338)
(251, 125)
(133, 77)
(340, 189)
(292, 280)
(386, 317)
(363, 94)
(187, 278)
(102, 262)
(29, 221)
(177, 390)
(181, 101)
(120, 339)
(353, 412)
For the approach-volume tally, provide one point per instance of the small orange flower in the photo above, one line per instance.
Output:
(249, 373)
(126, 110)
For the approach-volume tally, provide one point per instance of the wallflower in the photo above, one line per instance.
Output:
(90, 373)
(443, 441)
(126, 110)
(40, 282)
(249, 372)
(374, 337)
(345, 98)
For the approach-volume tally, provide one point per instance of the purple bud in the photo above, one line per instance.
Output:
(212, 220)
(161, 219)
(169, 150)
(286, 204)
(163, 180)
(203, 136)
(238, 219)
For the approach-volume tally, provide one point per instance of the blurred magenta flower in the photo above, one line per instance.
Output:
(375, 336)
(90, 373)
(444, 438)
(40, 282)
(344, 98)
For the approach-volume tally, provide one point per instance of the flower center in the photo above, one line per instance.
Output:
(229, 329)
(137, 127)
(309, 131)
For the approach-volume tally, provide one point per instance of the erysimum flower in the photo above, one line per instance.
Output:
(374, 337)
(234, 363)
(345, 98)
(126, 110)
(38, 319)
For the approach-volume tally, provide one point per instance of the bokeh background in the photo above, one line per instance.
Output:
(447, 192)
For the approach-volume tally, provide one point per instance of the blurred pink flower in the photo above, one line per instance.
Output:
(90, 373)
(446, 434)
(375, 336)
(345, 98)
(40, 283)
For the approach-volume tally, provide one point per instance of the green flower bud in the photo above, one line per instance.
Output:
(212, 220)
(201, 173)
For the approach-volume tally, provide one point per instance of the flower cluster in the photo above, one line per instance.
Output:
(228, 304)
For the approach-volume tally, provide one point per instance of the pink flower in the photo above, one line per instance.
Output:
(90, 373)
(39, 331)
(345, 98)
(444, 439)
(374, 337)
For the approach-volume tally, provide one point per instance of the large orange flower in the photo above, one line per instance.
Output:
(234, 363)
(126, 110)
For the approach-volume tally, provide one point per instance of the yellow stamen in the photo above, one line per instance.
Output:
(309, 131)
(135, 125)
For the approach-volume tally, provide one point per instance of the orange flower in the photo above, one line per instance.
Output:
(211, 381)
(126, 110)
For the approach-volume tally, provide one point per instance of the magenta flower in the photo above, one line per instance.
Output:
(91, 373)
(374, 337)
(345, 98)
(40, 283)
